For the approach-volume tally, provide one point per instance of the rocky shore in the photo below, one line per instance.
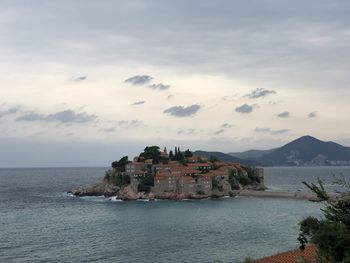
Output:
(126, 193)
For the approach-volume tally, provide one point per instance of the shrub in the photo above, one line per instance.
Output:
(244, 180)
(145, 183)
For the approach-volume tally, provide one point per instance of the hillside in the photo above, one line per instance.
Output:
(307, 150)
(251, 154)
(226, 157)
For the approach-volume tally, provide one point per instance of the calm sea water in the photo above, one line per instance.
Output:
(39, 222)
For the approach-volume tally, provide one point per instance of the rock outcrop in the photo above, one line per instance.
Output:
(102, 188)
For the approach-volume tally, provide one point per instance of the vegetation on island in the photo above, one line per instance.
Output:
(331, 233)
(139, 178)
(116, 176)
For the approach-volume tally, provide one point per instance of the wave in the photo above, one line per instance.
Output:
(115, 199)
(142, 200)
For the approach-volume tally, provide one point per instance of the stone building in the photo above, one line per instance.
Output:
(136, 170)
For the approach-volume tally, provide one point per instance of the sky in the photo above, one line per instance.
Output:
(83, 82)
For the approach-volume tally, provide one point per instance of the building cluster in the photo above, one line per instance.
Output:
(196, 175)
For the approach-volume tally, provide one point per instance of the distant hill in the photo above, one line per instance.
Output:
(226, 157)
(251, 154)
(307, 150)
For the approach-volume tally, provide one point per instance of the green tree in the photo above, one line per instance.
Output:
(188, 153)
(151, 152)
(117, 178)
(171, 155)
(120, 165)
(331, 233)
(145, 183)
(213, 159)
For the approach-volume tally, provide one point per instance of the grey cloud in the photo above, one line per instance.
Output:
(312, 114)
(129, 123)
(225, 125)
(245, 108)
(159, 86)
(32, 116)
(262, 129)
(10, 111)
(258, 35)
(139, 80)
(284, 114)
(181, 111)
(277, 132)
(138, 103)
(111, 129)
(66, 116)
(218, 132)
(186, 132)
(79, 79)
(260, 93)
(272, 132)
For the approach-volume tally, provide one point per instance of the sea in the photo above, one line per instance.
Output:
(40, 222)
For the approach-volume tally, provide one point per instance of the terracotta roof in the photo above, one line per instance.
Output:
(213, 173)
(198, 164)
(187, 178)
(136, 163)
(292, 256)
(220, 163)
(166, 165)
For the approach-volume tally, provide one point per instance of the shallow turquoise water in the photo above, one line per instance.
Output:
(40, 223)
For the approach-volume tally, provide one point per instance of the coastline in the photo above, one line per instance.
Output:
(291, 195)
(270, 194)
(128, 195)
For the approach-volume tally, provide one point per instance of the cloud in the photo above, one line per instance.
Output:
(111, 129)
(272, 132)
(181, 111)
(262, 129)
(139, 80)
(129, 123)
(312, 114)
(218, 132)
(284, 114)
(225, 125)
(159, 86)
(276, 132)
(138, 103)
(79, 79)
(10, 111)
(66, 116)
(260, 93)
(245, 108)
(186, 132)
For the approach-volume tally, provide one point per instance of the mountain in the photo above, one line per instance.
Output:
(251, 154)
(226, 157)
(307, 150)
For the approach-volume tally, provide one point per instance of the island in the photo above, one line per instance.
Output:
(174, 175)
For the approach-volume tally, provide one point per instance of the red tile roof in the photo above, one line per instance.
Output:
(187, 178)
(292, 256)
(199, 164)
